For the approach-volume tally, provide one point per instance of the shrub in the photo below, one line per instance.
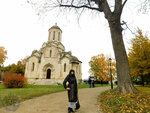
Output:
(14, 80)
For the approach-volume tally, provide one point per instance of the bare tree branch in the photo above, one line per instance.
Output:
(83, 6)
(124, 3)
(125, 23)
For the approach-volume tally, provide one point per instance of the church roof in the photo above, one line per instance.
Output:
(55, 27)
(74, 59)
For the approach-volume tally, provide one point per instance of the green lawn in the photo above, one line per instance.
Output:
(31, 91)
(110, 102)
(145, 89)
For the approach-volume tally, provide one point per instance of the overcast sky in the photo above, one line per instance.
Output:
(22, 31)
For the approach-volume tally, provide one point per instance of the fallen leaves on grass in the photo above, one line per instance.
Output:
(110, 102)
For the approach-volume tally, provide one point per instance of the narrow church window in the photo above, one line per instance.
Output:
(54, 35)
(50, 53)
(59, 36)
(33, 66)
(65, 67)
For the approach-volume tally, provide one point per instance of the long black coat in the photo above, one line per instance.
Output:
(73, 92)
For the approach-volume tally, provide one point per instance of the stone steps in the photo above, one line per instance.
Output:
(44, 82)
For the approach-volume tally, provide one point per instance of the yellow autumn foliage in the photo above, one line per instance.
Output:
(139, 55)
(100, 67)
(3, 54)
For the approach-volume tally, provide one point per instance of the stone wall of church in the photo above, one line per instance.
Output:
(59, 69)
(32, 68)
(65, 67)
(51, 57)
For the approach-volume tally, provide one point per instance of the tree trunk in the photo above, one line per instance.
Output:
(125, 84)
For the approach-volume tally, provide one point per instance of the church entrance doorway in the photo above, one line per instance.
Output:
(48, 74)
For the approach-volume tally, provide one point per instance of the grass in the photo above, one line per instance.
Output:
(87, 86)
(31, 91)
(145, 89)
(110, 102)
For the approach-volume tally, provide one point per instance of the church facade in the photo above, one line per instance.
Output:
(51, 64)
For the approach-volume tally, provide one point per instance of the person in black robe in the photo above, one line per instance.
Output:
(72, 90)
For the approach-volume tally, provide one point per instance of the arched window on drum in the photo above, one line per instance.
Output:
(53, 35)
(59, 36)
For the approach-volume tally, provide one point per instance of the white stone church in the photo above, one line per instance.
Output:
(51, 64)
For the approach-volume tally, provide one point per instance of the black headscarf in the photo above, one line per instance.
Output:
(73, 72)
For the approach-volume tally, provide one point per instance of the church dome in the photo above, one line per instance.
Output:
(55, 27)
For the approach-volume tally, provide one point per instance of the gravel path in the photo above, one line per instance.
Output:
(58, 102)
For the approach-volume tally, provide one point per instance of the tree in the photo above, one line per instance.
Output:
(113, 16)
(100, 67)
(18, 68)
(139, 56)
(3, 54)
(145, 6)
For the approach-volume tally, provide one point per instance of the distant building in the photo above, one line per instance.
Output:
(51, 64)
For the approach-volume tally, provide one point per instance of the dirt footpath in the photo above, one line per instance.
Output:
(58, 102)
